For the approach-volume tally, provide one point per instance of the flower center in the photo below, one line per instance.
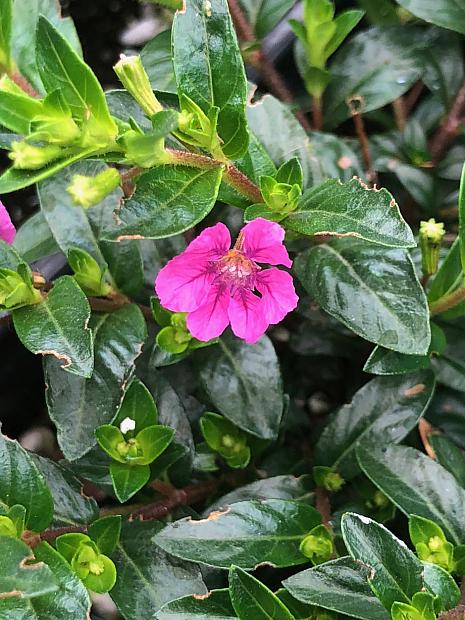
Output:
(235, 270)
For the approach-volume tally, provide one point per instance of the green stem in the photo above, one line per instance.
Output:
(446, 302)
(232, 175)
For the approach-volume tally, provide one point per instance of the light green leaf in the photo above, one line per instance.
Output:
(445, 13)
(264, 15)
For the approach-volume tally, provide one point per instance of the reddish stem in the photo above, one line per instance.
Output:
(449, 127)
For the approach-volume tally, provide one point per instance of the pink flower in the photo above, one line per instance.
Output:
(217, 285)
(7, 230)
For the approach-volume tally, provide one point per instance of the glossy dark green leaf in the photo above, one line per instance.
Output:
(385, 305)
(200, 70)
(395, 573)
(263, 15)
(336, 159)
(277, 487)
(444, 67)
(105, 533)
(71, 505)
(417, 485)
(168, 200)
(157, 61)
(216, 606)
(450, 366)
(34, 239)
(386, 362)
(252, 599)
(25, 18)
(21, 482)
(379, 64)
(439, 582)
(58, 327)
(450, 456)
(18, 580)
(246, 534)
(128, 480)
(282, 136)
(244, 384)
(76, 405)
(60, 67)
(445, 13)
(339, 585)
(351, 209)
(138, 405)
(147, 576)
(9, 257)
(383, 411)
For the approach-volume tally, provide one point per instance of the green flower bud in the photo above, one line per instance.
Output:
(29, 157)
(7, 527)
(88, 273)
(380, 500)
(87, 191)
(134, 78)
(16, 289)
(328, 479)
(280, 197)
(145, 150)
(199, 129)
(431, 235)
(317, 546)
(96, 570)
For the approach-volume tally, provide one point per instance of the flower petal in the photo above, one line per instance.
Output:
(263, 242)
(246, 316)
(211, 244)
(211, 318)
(183, 283)
(7, 230)
(278, 294)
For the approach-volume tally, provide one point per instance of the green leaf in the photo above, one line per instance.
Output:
(21, 482)
(21, 580)
(5, 33)
(396, 573)
(383, 411)
(276, 487)
(379, 65)
(244, 384)
(168, 200)
(386, 362)
(34, 239)
(12, 179)
(71, 601)
(252, 599)
(200, 70)
(76, 405)
(154, 440)
(341, 209)
(71, 506)
(138, 405)
(147, 576)
(128, 479)
(246, 534)
(9, 257)
(439, 582)
(417, 485)
(462, 210)
(105, 533)
(345, 22)
(290, 172)
(25, 18)
(61, 68)
(264, 15)
(444, 70)
(448, 278)
(385, 305)
(16, 111)
(339, 585)
(449, 456)
(58, 327)
(450, 365)
(282, 136)
(157, 60)
(216, 606)
(445, 13)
